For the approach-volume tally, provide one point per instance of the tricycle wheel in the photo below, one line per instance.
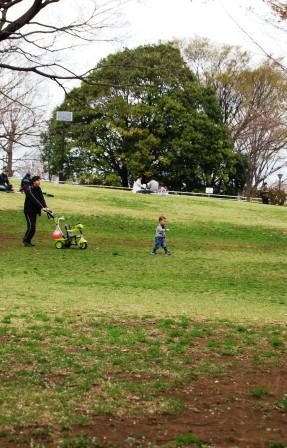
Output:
(83, 245)
(59, 245)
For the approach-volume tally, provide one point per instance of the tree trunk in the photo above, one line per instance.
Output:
(250, 190)
(10, 149)
(62, 176)
(124, 174)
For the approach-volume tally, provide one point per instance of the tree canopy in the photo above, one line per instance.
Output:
(252, 100)
(144, 113)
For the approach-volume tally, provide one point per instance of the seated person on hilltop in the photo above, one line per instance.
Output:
(4, 182)
(153, 186)
(138, 187)
(162, 190)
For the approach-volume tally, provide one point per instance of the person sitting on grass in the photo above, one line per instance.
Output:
(138, 187)
(153, 186)
(162, 190)
(33, 206)
(160, 236)
(5, 183)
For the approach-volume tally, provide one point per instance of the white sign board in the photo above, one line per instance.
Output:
(209, 190)
(64, 116)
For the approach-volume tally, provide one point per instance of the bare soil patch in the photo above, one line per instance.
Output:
(220, 410)
(7, 239)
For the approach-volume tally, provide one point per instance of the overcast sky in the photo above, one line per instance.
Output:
(149, 21)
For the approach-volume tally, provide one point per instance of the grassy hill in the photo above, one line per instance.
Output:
(229, 258)
(111, 347)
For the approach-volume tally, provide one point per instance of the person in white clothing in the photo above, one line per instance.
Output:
(138, 186)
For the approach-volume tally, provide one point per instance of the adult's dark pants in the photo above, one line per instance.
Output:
(6, 188)
(31, 227)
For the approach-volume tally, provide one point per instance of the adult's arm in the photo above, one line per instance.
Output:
(43, 199)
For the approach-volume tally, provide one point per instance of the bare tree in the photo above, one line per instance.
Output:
(259, 127)
(19, 117)
(279, 8)
(253, 101)
(271, 16)
(29, 38)
(35, 36)
(29, 162)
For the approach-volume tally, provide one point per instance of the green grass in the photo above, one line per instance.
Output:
(229, 258)
(283, 402)
(277, 445)
(189, 440)
(107, 366)
(259, 392)
(112, 331)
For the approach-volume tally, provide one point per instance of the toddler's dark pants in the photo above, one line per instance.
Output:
(160, 242)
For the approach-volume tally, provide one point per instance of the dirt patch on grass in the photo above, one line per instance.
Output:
(130, 242)
(227, 387)
(221, 411)
(8, 239)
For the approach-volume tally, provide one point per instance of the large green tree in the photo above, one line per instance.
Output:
(143, 111)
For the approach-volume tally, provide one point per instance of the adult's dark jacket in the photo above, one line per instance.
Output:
(34, 201)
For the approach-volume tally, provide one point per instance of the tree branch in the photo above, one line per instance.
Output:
(12, 27)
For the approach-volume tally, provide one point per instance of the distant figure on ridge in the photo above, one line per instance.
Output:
(162, 190)
(153, 186)
(264, 193)
(5, 183)
(138, 187)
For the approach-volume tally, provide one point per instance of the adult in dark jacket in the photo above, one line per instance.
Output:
(5, 183)
(33, 206)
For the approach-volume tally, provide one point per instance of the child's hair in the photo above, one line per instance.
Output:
(161, 218)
